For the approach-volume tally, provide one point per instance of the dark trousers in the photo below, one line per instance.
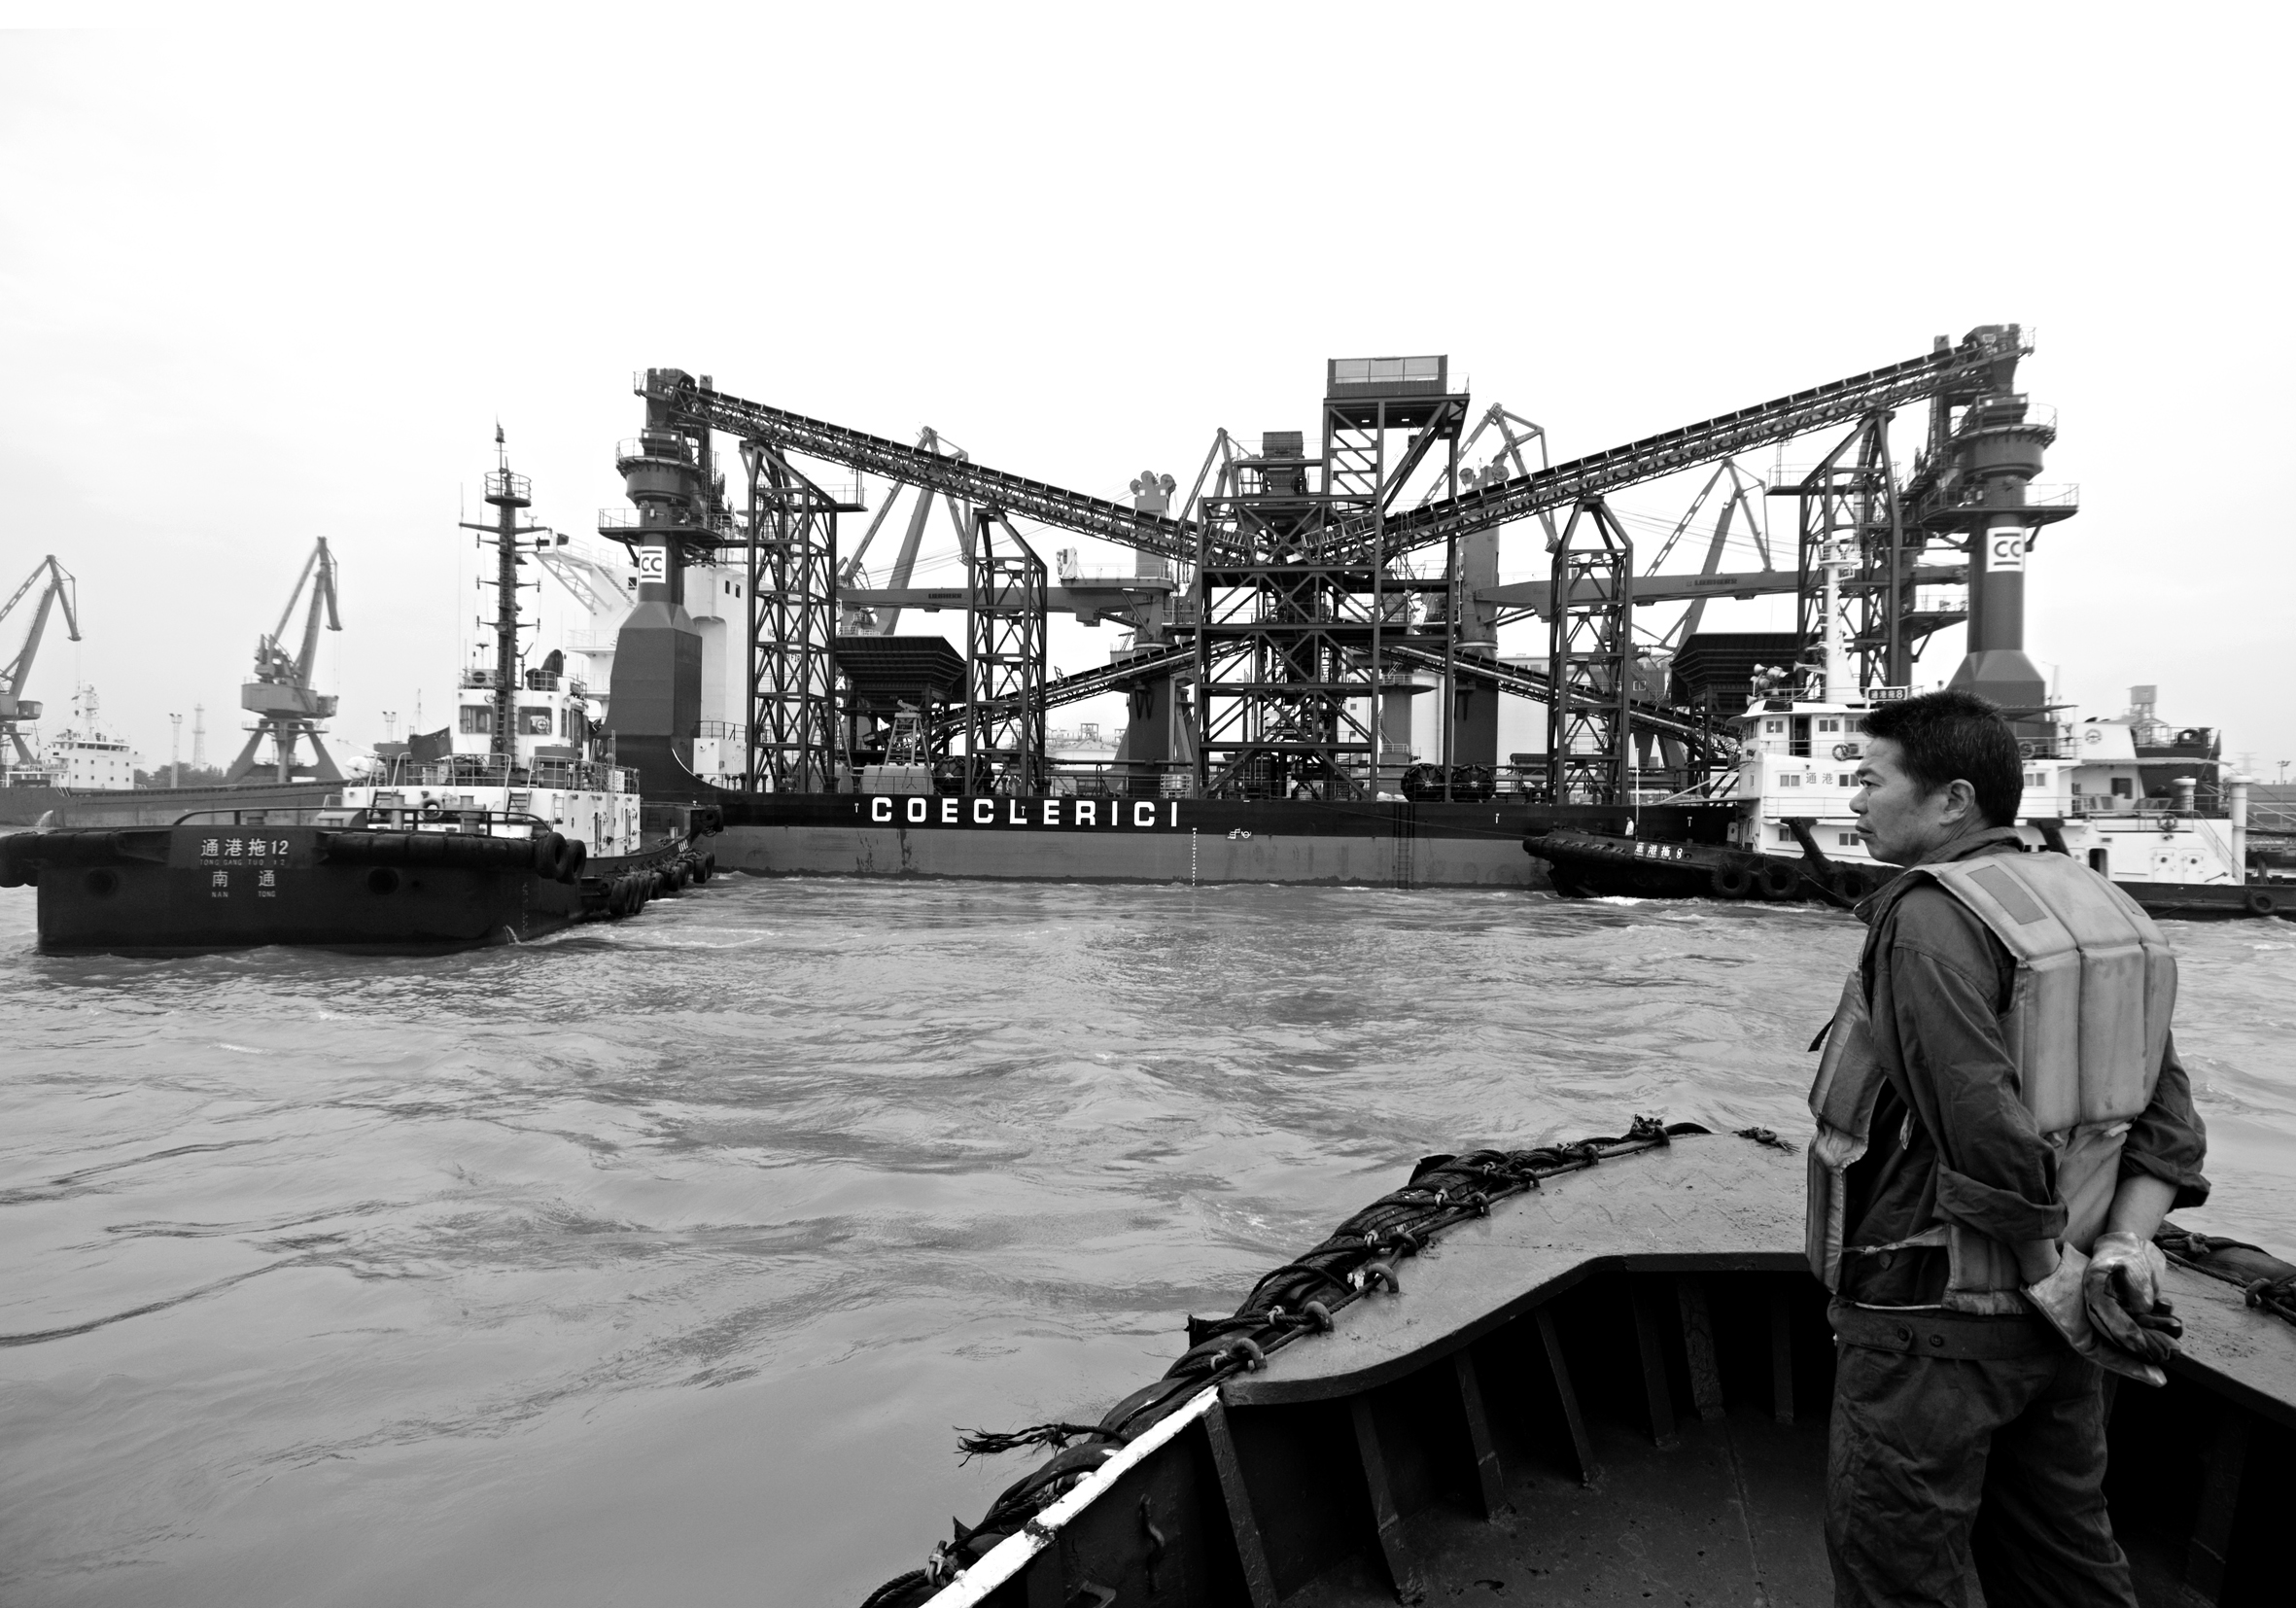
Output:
(1936, 1469)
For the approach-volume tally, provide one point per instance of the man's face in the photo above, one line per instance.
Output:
(1898, 822)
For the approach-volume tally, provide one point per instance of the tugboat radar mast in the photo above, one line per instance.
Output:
(507, 493)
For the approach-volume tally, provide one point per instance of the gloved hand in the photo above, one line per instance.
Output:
(2122, 1290)
(2060, 1298)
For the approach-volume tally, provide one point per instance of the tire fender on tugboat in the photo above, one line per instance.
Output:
(549, 857)
(1731, 881)
(1779, 881)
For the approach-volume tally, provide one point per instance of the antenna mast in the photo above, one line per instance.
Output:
(507, 493)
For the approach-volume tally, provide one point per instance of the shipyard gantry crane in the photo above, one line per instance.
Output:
(1301, 585)
(15, 710)
(287, 709)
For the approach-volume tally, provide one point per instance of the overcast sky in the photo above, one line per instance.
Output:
(260, 282)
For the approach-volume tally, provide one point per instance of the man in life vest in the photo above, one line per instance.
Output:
(2002, 1124)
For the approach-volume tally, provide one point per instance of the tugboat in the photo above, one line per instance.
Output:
(1779, 827)
(523, 826)
(1590, 1373)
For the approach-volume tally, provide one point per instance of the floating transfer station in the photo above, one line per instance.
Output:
(1283, 618)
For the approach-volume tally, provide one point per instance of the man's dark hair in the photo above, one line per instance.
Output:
(1953, 736)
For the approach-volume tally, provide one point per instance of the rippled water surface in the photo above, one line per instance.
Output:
(656, 1263)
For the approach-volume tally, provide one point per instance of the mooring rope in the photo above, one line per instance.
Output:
(2268, 1282)
(1300, 1297)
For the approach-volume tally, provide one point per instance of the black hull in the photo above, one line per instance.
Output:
(174, 890)
(1394, 843)
(2194, 901)
(1596, 865)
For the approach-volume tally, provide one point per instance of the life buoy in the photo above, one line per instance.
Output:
(1845, 750)
(1731, 881)
(429, 810)
(1780, 881)
(2261, 903)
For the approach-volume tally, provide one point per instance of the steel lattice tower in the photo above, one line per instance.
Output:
(792, 552)
(1591, 659)
(1294, 595)
(1004, 661)
(1851, 499)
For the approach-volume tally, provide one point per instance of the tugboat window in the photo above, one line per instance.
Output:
(477, 718)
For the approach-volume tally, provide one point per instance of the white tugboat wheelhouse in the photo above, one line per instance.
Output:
(525, 752)
(1800, 749)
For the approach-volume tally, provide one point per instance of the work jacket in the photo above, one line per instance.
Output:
(1964, 1086)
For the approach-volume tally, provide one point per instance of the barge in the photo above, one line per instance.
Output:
(1389, 843)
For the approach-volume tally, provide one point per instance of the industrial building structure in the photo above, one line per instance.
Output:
(1284, 613)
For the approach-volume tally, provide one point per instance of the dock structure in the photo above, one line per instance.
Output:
(1287, 611)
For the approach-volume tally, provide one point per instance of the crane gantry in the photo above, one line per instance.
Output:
(287, 707)
(15, 710)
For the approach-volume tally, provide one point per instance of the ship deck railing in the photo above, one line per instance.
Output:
(2159, 812)
(466, 770)
(475, 822)
(1507, 783)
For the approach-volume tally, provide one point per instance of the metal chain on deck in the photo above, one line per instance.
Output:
(1302, 1297)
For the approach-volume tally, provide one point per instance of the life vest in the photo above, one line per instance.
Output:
(2087, 1024)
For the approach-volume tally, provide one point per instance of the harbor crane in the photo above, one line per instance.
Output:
(15, 710)
(285, 708)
